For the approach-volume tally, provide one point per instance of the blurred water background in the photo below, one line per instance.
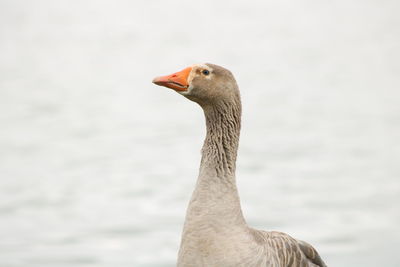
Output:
(97, 164)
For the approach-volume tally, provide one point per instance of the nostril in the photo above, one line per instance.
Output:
(173, 75)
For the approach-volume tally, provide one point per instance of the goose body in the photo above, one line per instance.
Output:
(215, 232)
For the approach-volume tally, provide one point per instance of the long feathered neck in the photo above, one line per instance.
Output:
(215, 199)
(222, 139)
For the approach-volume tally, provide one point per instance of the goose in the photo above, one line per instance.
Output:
(215, 233)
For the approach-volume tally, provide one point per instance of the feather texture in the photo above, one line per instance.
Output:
(215, 233)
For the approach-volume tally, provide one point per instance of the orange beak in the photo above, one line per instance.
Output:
(177, 81)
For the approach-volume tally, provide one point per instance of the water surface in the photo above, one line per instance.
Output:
(97, 164)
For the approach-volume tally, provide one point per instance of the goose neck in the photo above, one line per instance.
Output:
(220, 147)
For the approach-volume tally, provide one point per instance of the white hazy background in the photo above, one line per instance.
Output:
(97, 164)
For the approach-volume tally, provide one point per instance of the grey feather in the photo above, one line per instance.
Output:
(215, 233)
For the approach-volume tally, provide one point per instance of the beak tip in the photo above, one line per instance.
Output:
(177, 81)
(156, 80)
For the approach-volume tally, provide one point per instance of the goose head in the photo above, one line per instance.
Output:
(202, 83)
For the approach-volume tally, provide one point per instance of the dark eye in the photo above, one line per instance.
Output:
(206, 72)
